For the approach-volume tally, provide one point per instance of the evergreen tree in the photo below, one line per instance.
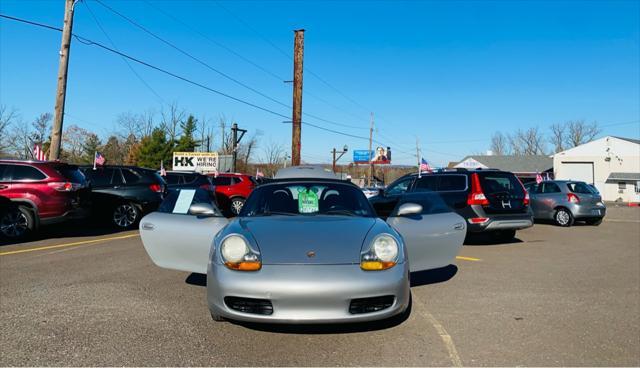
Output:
(187, 143)
(89, 148)
(113, 151)
(153, 149)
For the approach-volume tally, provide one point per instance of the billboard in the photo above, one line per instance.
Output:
(195, 161)
(381, 156)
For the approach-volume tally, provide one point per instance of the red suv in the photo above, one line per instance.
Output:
(232, 190)
(45, 192)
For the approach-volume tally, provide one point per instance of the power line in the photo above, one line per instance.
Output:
(95, 19)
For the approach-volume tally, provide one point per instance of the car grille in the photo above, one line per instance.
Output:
(368, 305)
(249, 305)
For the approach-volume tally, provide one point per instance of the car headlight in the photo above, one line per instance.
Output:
(381, 255)
(237, 255)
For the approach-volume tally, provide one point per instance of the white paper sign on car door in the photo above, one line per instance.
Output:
(184, 201)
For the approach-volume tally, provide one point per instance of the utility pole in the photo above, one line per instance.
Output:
(61, 93)
(335, 151)
(298, 56)
(236, 140)
(370, 152)
(418, 156)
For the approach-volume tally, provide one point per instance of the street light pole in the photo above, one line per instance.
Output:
(335, 151)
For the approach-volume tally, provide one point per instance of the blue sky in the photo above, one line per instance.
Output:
(450, 73)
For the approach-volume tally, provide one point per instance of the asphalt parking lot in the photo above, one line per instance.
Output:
(556, 296)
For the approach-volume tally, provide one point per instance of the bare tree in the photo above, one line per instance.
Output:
(499, 144)
(558, 137)
(21, 145)
(206, 134)
(41, 128)
(226, 142)
(579, 132)
(73, 143)
(136, 125)
(274, 155)
(7, 117)
(527, 142)
(171, 119)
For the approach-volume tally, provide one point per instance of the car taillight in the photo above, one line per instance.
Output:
(156, 188)
(526, 199)
(64, 186)
(572, 198)
(478, 220)
(476, 196)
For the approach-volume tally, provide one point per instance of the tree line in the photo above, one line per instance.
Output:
(533, 141)
(141, 139)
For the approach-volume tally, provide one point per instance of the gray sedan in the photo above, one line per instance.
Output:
(304, 251)
(565, 201)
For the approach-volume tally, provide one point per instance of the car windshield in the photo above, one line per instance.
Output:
(307, 198)
(500, 182)
(580, 187)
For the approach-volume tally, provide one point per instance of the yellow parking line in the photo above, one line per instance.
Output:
(67, 244)
(468, 258)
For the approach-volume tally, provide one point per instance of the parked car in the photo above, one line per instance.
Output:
(491, 201)
(45, 192)
(232, 191)
(305, 251)
(371, 191)
(566, 201)
(189, 180)
(124, 193)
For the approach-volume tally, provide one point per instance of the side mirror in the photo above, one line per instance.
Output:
(409, 209)
(202, 209)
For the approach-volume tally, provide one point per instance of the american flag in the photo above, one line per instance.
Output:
(259, 174)
(163, 172)
(98, 159)
(538, 178)
(424, 166)
(38, 153)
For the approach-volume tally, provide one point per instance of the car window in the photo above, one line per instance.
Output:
(71, 173)
(399, 187)
(116, 179)
(103, 177)
(222, 180)
(550, 188)
(172, 179)
(579, 187)
(130, 177)
(168, 205)
(189, 179)
(432, 203)
(22, 172)
(427, 183)
(500, 182)
(4, 172)
(307, 198)
(452, 183)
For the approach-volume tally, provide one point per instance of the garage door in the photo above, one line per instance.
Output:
(582, 171)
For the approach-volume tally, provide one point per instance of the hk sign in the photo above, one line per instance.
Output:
(195, 161)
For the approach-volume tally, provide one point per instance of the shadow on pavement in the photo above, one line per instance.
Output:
(70, 229)
(486, 239)
(196, 279)
(433, 276)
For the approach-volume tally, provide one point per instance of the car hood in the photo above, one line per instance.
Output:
(290, 239)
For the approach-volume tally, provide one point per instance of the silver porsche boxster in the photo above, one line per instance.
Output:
(303, 250)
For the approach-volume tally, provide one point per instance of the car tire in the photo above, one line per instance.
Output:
(504, 236)
(217, 318)
(125, 215)
(594, 222)
(563, 217)
(235, 206)
(17, 223)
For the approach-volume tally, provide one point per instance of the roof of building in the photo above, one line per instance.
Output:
(518, 164)
(623, 176)
(636, 141)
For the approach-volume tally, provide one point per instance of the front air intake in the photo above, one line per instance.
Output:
(368, 305)
(249, 305)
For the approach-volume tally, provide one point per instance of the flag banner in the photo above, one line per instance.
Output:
(38, 153)
(424, 166)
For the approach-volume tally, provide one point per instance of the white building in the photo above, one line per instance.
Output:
(612, 164)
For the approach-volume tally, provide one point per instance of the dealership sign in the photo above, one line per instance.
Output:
(195, 161)
(381, 155)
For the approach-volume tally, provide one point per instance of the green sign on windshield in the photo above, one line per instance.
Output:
(307, 201)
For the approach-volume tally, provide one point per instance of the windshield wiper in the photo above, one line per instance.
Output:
(277, 213)
(339, 212)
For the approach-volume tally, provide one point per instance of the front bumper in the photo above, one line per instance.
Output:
(494, 223)
(308, 293)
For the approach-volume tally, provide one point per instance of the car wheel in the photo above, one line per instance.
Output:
(236, 205)
(217, 318)
(17, 223)
(563, 217)
(594, 222)
(125, 215)
(504, 235)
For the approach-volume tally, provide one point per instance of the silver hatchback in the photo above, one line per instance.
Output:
(565, 202)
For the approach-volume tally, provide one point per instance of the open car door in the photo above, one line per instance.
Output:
(180, 234)
(432, 232)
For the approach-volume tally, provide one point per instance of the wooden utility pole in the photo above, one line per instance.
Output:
(418, 156)
(61, 93)
(370, 152)
(298, 56)
(236, 140)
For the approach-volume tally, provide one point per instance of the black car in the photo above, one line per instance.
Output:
(189, 180)
(491, 201)
(124, 193)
